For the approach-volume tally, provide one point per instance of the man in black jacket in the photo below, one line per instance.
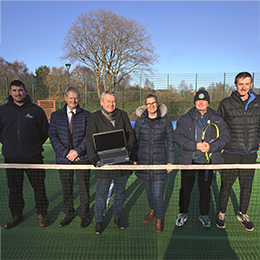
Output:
(241, 112)
(201, 134)
(109, 118)
(23, 131)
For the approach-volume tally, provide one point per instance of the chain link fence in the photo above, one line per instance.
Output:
(176, 91)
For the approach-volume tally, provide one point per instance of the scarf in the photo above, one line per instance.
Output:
(110, 116)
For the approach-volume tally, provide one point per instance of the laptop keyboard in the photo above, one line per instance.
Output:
(113, 154)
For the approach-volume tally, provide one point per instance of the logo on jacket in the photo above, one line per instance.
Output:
(201, 96)
(29, 116)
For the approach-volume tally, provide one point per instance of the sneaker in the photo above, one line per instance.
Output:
(14, 221)
(99, 228)
(43, 220)
(120, 224)
(220, 222)
(205, 221)
(181, 219)
(245, 221)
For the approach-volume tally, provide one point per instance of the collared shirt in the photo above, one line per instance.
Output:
(70, 114)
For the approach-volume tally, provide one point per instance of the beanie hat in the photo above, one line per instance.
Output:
(202, 94)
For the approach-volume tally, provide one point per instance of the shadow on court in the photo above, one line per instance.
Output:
(192, 241)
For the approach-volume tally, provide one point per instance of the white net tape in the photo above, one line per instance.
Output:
(132, 167)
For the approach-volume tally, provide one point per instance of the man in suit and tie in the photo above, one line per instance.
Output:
(67, 134)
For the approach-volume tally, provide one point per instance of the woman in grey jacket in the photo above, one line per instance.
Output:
(153, 128)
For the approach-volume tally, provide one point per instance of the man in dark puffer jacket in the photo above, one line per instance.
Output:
(241, 112)
(67, 133)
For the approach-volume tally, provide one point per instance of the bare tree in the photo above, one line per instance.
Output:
(112, 45)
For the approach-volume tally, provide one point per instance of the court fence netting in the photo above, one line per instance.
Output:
(139, 240)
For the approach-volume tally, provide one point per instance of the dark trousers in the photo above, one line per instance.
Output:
(67, 182)
(187, 182)
(15, 179)
(245, 177)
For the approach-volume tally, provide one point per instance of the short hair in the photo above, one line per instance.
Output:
(72, 89)
(151, 96)
(110, 92)
(17, 83)
(243, 75)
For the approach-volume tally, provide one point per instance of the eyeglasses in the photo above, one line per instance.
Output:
(151, 104)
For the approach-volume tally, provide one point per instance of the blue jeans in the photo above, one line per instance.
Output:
(154, 191)
(101, 197)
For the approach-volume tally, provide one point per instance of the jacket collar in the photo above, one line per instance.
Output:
(78, 109)
(27, 101)
(193, 112)
(142, 111)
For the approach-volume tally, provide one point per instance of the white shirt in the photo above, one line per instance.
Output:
(70, 114)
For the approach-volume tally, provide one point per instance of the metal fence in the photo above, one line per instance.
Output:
(176, 91)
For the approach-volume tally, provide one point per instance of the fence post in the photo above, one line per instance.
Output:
(59, 92)
(224, 86)
(6, 87)
(168, 82)
(86, 92)
(253, 80)
(33, 90)
(140, 90)
(196, 82)
(113, 86)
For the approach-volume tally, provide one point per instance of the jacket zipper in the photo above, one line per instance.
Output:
(18, 133)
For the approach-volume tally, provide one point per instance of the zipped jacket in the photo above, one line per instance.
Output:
(154, 142)
(185, 136)
(23, 129)
(243, 122)
(59, 134)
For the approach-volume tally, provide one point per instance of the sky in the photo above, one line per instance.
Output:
(188, 36)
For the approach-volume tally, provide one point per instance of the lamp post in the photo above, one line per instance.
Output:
(68, 65)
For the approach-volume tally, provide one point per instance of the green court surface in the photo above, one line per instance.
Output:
(138, 241)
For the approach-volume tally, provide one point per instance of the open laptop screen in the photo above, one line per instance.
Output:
(109, 140)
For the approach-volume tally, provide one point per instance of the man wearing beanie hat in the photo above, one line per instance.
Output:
(196, 135)
(202, 94)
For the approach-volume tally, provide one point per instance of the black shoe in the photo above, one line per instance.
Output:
(66, 221)
(14, 221)
(120, 224)
(84, 222)
(99, 228)
(245, 221)
(44, 222)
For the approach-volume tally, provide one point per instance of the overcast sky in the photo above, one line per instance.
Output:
(189, 36)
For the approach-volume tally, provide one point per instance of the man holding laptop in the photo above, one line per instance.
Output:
(109, 119)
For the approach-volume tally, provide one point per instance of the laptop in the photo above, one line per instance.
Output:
(110, 147)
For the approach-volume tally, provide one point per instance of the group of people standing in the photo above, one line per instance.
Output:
(204, 136)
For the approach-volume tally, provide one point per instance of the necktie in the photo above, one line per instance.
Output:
(71, 121)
